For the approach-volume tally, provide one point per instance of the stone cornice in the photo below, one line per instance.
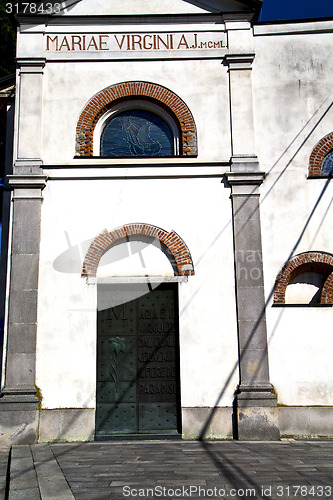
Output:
(27, 181)
(29, 65)
(239, 61)
(245, 178)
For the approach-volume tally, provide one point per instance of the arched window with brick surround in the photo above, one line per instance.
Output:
(136, 128)
(136, 119)
(321, 158)
(306, 278)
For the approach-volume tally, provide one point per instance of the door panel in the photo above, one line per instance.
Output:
(137, 362)
(157, 417)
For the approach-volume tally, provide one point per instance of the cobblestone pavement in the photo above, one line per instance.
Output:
(172, 469)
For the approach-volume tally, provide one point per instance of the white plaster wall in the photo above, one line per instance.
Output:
(66, 347)
(292, 106)
(29, 135)
(75, 211)
(199, 83)
(300, 354)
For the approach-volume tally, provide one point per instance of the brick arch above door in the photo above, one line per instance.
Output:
(106, 239)
(104, 100)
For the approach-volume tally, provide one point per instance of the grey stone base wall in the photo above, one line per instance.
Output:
(207, 423)
(66, 425)
(306, 421)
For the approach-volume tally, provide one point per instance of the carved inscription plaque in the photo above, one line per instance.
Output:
(137, 366)
(139, 45)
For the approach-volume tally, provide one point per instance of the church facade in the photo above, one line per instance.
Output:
(170, 263)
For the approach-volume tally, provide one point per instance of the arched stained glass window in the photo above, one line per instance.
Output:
(137, 132)
(327, 166)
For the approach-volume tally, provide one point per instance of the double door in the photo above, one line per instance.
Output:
(137, 360)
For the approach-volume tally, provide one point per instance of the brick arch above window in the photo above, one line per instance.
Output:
(104, 241)
(317, 262)
(104, 100)
(327, 291)
(318, 154)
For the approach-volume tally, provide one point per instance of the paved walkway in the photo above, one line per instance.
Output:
(172, 469)
(4, 457)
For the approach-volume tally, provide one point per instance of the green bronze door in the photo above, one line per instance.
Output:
(137, 360)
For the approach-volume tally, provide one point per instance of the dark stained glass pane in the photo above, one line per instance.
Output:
(327, 166)
(137, 133)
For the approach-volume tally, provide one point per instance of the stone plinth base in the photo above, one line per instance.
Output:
(18, 426)
(258, 424)
(18, 417)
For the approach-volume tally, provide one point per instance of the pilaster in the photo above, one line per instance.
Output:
(256, 403)
(27, 144)
(19, 401)
(241, 105)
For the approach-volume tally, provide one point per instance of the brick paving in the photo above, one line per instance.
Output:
(173, 469)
